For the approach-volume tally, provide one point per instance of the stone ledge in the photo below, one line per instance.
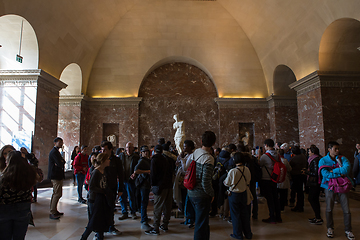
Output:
(242, 102)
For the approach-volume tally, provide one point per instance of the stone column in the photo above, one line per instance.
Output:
(69, 124)
(329, 109)
(38, 106)
(283, 119)
(236, 114)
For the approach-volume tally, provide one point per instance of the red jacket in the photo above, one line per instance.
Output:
(81, 162)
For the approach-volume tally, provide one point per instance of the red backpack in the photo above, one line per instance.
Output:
(279, 172)
(190, 175)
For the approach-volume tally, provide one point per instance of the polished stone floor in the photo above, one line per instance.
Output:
(71, 225)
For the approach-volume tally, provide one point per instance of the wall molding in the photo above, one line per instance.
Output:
(71, 100)
(241, 102)
(130, 102)
(323, 79)
(32, 77)
(279, 101)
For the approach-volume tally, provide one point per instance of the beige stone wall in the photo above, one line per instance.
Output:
(154, 30)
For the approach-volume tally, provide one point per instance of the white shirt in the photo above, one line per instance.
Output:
(232, 179)
(185, 162)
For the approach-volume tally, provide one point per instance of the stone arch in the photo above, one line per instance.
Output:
(283, 77)
(72, 76)
(177, 88)
(10, 35)
(339, 46)
(179, 59)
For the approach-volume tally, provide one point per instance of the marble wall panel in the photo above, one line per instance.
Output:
(94, 115)
(341, 109)
(182, 89)
(46, 122)
(272, 123)
(69, 127)
(231, 117)
(310, 115)
(286, 124)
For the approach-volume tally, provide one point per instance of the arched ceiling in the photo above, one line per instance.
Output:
(156, 30)
(280, 31)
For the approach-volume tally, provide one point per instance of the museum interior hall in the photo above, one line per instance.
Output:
(245, 69)
(248, 70)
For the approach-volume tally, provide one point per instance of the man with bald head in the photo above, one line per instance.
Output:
(129, 159)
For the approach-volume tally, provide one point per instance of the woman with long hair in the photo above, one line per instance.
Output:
(100, 211)
(16, 182)
(313, 184)
(3, 153)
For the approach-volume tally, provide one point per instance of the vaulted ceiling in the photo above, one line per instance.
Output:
(239, 43)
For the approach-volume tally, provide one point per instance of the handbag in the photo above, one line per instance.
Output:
(339, 184)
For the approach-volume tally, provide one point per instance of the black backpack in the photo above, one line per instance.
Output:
(255, 169)
(219, 170)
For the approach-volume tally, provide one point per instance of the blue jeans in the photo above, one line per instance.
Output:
(14, 220)
(80, 178)
(129, 191)
(144, 203)
(189, 211)
(202, 208)
(240, 215)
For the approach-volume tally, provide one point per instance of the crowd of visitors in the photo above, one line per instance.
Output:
(227, 183)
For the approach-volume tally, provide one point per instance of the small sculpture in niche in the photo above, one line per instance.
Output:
(179, 134)
(112, 138)
(245, 139)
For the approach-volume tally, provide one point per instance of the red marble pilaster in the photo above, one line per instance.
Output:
(328, 108)
(46, 117)
(69, 124)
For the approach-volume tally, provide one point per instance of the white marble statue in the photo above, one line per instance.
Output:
(112, 138)
(180, 134)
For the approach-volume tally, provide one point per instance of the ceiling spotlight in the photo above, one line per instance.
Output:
(358, 48)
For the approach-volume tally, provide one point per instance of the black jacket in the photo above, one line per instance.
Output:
(161, 171)
(134, 159)
(113, 173)
(313, 173)
(56, 165)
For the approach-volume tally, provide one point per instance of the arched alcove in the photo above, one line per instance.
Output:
(283, 107)
(339, 46)
(177, 88)
(179, 59)
(283, 77)
(13, 31)
(72, 76)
